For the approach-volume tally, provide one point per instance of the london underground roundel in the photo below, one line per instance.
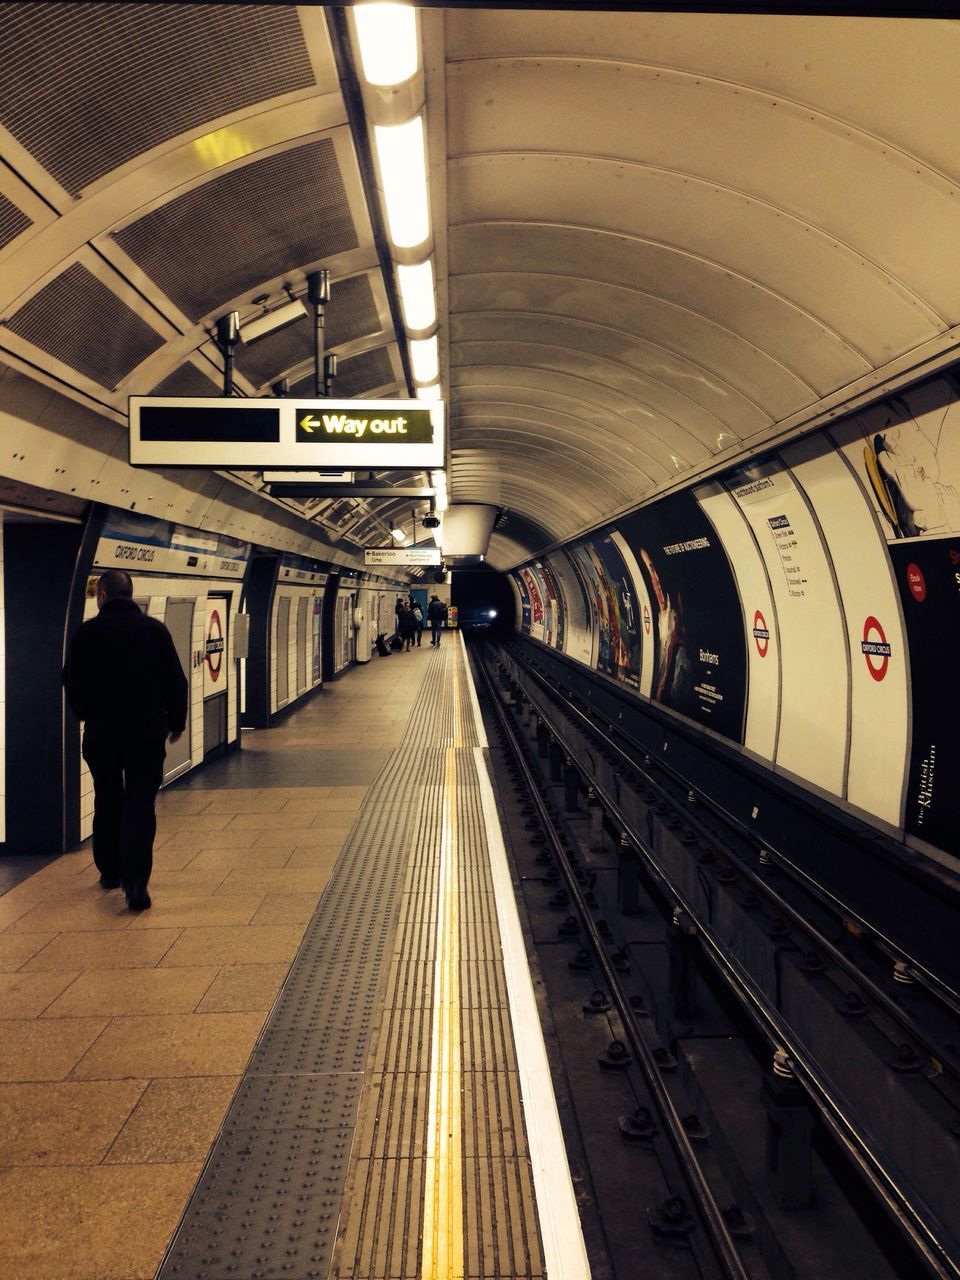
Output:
(214, 645)
(875, 648)
(761, 634)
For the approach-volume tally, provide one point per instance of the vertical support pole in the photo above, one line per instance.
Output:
(228, 335)
(318, 291)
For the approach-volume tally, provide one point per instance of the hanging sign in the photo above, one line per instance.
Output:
(172, 431)
(402, 555)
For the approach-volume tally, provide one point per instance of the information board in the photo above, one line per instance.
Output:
(172, 431)
(402, 556)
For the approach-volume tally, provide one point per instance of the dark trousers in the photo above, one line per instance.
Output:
(435, 638)
(126, 778)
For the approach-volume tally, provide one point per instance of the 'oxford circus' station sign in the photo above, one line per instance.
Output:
(170, 431)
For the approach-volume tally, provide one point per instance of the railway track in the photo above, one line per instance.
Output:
(827, 1004)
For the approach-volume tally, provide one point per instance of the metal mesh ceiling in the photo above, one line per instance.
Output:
(63, 317)
(243, 228)
(357, 376)
(351, 314)
(12, 221)
(188, 380)
(87, 87)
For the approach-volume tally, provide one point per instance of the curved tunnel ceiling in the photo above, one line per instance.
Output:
(662, 240)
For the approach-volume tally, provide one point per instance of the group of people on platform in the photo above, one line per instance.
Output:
(410, 621)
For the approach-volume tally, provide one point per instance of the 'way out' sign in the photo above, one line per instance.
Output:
(170, 431)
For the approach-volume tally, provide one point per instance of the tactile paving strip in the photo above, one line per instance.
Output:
(383, 1211)
(269, 1199)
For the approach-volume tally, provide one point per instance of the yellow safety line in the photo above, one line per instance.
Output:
(443, 1183)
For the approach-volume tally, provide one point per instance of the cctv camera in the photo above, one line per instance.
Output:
(431, 522)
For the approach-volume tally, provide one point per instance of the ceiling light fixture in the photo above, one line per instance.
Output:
(387, 35)
(403, 170)
(399, 535)
(429, 393)
(417, 295)
(425, 359)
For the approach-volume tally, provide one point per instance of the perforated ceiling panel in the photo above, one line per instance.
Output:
(188, 380)
(268, 358)
(87, 87)
(63, 317)
(12, 221)
(355, 377)
(248, 226)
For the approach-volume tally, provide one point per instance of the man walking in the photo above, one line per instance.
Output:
(436, 614)
(124, 680)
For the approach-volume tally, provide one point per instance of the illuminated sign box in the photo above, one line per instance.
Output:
(175, 431)
(402, 555)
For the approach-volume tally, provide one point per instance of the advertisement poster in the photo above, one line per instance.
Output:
(574, 634)
(696, 625)
(928, 576)
(526, 612)
(552, 612)
(613, 601)
(906, 452)
(533, 592)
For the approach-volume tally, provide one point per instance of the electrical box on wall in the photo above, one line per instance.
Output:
(241, 635)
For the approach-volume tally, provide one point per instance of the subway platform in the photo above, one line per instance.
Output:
(318, 1054)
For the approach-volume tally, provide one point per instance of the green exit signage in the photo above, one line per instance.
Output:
(176, 431)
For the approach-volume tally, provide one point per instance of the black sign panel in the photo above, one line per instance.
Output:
(700, 659)
(928, 575)
(209, 425)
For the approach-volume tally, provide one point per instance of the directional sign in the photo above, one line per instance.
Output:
(170, 431)
(402, 555)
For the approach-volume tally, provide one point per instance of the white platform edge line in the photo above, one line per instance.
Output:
(565, 1253)
(474, 702)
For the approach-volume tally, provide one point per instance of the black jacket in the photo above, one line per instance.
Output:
(123, 677)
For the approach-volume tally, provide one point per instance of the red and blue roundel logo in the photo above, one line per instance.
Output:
(875, 648)
(761, 634)
(214, 645)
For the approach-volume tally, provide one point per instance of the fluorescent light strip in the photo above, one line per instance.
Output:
(425, 359)
(403, 170)
(387, 35)
(416, 294)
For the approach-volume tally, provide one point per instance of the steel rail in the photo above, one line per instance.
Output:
(936, 988)
(918, 1222)
(725, 1248)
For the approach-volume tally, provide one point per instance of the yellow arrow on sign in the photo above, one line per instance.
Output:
(309, 423)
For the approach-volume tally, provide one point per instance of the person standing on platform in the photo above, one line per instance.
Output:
(124, 680)
(417, 618)
(406, 627)
(436, 616)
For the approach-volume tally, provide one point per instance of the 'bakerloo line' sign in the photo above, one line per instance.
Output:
(210, 431)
